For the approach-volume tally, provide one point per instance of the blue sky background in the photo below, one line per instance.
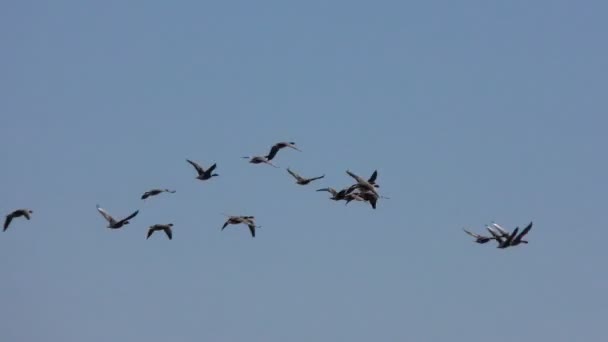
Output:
(471, 111)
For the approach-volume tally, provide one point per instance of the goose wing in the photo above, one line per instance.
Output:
(169, 232)
(372, 179)
(523, 232)
(199, 169)
(7, 222)
(105, 214)
(295, 175)
(130, 216)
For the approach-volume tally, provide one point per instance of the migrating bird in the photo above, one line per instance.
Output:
(336, 195)
(248, 220)
(362, 183)
(479, 238)
(503, 241)
(281, 145)
(202, 173)
(164, 227)
(260, 160)
(17, 213)
(112, 223)
(519, 238)
(155, 192)
(301, 180)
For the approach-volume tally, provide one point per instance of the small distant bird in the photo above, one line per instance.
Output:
(202, 173)
(362, 183)
(248, 220)
(164, 227)
(518, 239)
(479, 238)
(301, 180)
(278, 146)
(17, 213)
(503, 241)
(260, 160)
(155, 192)
(336, 195)
(112, 223)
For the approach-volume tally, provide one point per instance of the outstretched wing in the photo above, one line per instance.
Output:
(295, 175)
(168, 232)
(212, 167)
(105, 214)
(372, 179)
(472, 234)
(252, 229)
(330, 190)
(315, 178)
(199, 169)
(150, 232)
(273, 151)
(130, 216)
(524, 232)
(7, 222)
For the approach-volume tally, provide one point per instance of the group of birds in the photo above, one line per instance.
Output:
(502, 236)
(362, 190)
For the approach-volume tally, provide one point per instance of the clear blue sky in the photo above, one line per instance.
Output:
(471, 111)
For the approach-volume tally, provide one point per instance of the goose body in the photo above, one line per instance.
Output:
(301, 180)
(155, 192)
(17, 213)
(113, 223)
(164, 227)
(202, 173)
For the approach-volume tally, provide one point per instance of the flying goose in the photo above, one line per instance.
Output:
(362, 183)
(202, 173)
(165, 227)
(155, 192)
(17, 213)
(503, 242)
(248, 220)
(301, 180)
(278, 146)
(519, 238)
(479, 238)
(260, 160)
(112, 223)
(336, 195)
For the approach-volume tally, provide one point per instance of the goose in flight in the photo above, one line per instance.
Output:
(519, 238)
(479, 238)
(202, 173)
(248, 220)
(164, 227)
(280, 145)
(503, 241)
(301, 180)
(112, 223)
(260, 160)
(336, 195)
(363, 184)
(155, 192)
(17, 213)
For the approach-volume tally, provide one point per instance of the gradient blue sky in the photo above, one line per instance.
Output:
(471, 111)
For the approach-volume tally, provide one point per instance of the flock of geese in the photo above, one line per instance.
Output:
(364, 190)
(502, 236)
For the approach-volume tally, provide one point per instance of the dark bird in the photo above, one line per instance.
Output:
(363, 184)
(278, 146)
(155, 192)
(112, 223)
(202, 173)
(479, 238)
(301, 180)
(503, 241)
(260, 160)
(519, 238)
(17, 213)
(336, 195)
(165, 227)
(248, 220)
